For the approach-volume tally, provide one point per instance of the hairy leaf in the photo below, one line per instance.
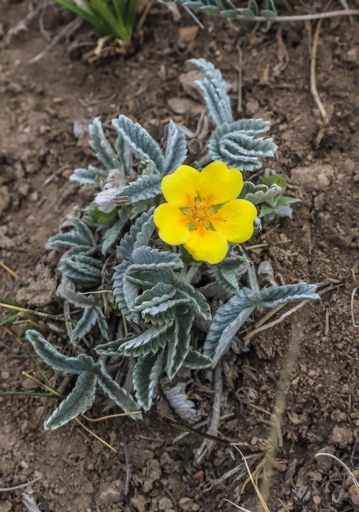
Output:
(238, 149)
(165, 313)
(100, 144)
(196, 361)
(124, 153)
(140, 141)
(119, 279)
(85, 324)
(139, 234)
(275, 295)
(226, 273)
(111, 234)
(81, 268)
(82, 237)
(119, 395)
(179, 401)
(77, 402)
(199, 302)
(146, 374)
(153, 258)
(90, 176)
(214, 89)
(176, 149)
(80, 300)
(55, 359)
(178, 350)
(145, 187)
(149, 342)
(159, 293)
(226, 322)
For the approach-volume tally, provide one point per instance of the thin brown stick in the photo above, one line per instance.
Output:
(11, 272)
(313, 80)
(21, 486)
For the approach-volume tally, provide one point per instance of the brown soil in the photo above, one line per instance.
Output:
(42, 106)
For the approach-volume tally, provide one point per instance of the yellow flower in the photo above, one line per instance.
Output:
(202, 211)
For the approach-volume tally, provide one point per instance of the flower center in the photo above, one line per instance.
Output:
(199, 216)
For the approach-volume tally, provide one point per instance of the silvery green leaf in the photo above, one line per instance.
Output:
(124, 153)
(142, 206)
(149, 275)
(252, 5)
(81, 237)
(110, 348)
(102, 147)
(247, 13)
(90, 176)
(139, 234)
(76, 403)
(118, 292)
(226, 273)
(251, 188)
(275, 295)
(140, 141)
(111, 234)
(81, 268)
(179, 348)
(154, 296)
(119, 395)
(130, 291)
(166, 312)
(209, 9)
(146, 374)
(85, 324)
(102, 323)
(55, 359)
(214, 89)
(149, 342)
(239, 150)
(176, 149)
(196, 361)
(145, 187)
(79, 300)
(226, 322)
(198, 300)
(269, 196)
(161, 259)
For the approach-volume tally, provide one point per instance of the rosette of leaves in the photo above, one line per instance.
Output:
(268, 196)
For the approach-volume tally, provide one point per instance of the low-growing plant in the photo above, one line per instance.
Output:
(170, 278)
(110, 17)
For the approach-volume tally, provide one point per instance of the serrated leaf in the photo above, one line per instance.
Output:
(55, 359)
(239, 150)
(149, 298)
(252, 5)
(124, 154)
(85, 324)
(178, 350)
(275, 295)
(130, 291)
(119, 395)
(140, 141)
(76, 403)
(81, 268)
(176, 149)
(102, 147)
(164, 313)
(145, 187)
(149, 275)
(149, 342)
(226, 322)
(146, 374)
(79, 300)
(81, 237)
(118, 292)
(90, 176)
(274, 179)
(147, 256)
(196, 361)
(111, 234)
(268, 197)
(226, 273)
(139, 234)
(214, 88)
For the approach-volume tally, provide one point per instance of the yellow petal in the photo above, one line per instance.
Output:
(235, 220)
(217, 184)
(179, 188)
(207, 245)
(172, 224)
